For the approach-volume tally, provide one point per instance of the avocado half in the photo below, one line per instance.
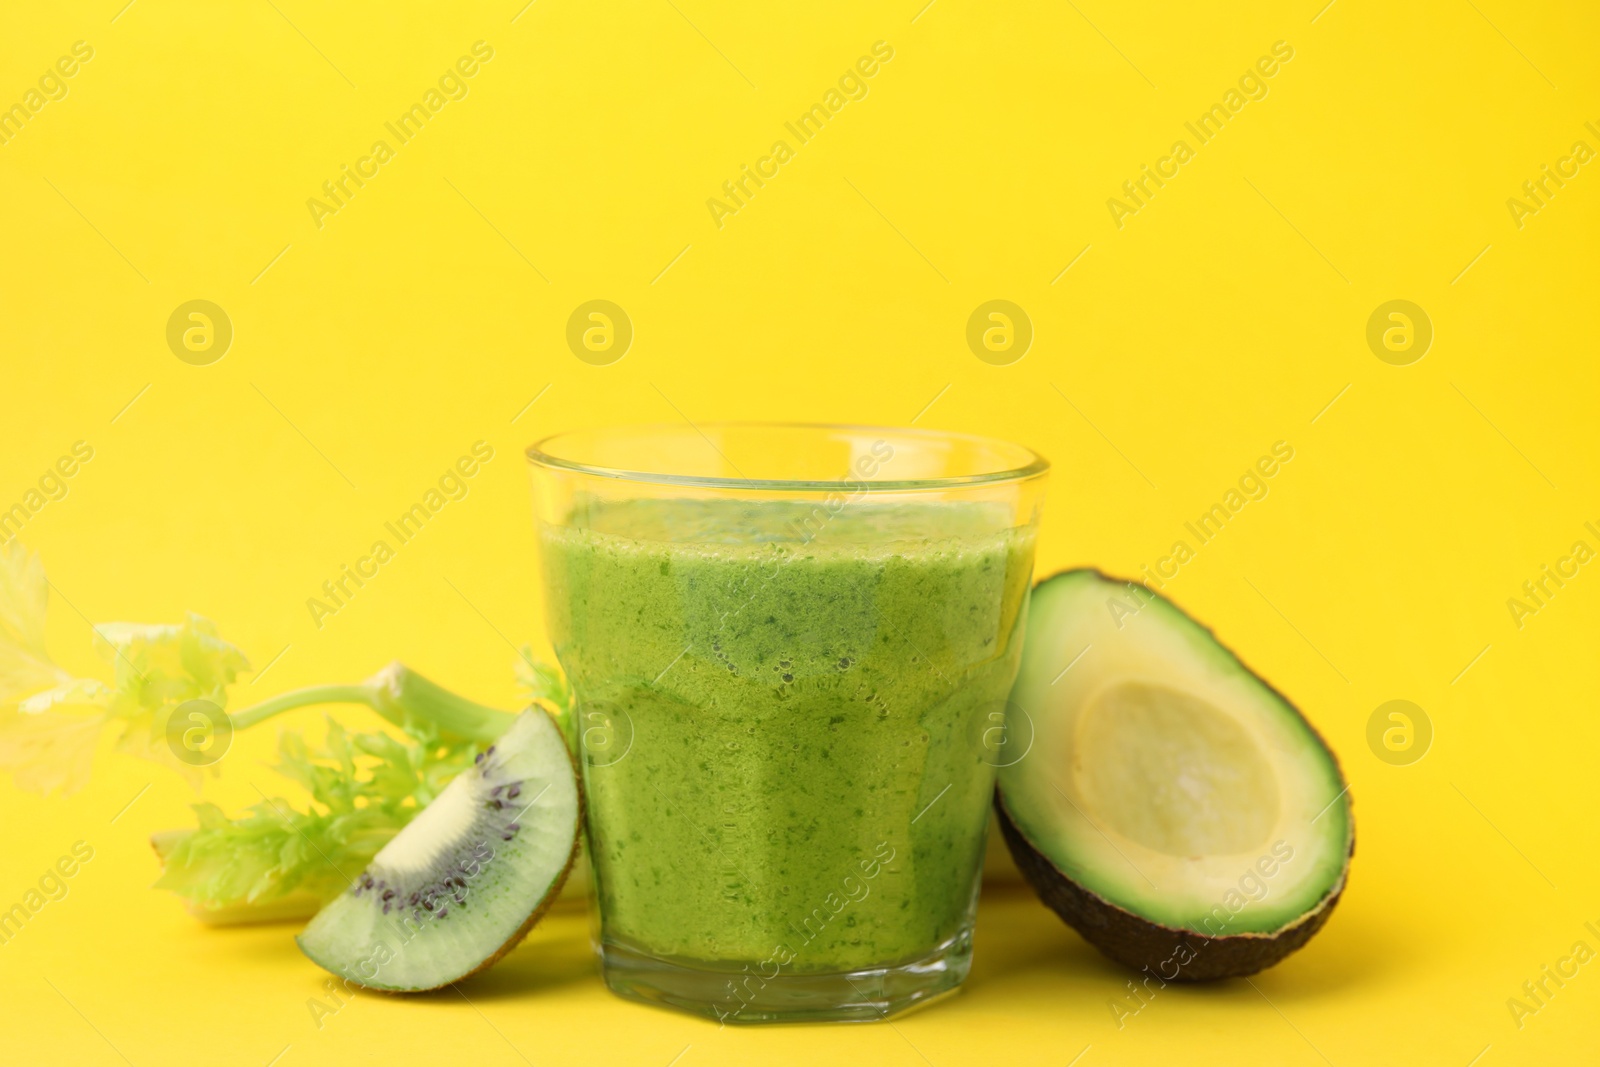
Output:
(1174, 808)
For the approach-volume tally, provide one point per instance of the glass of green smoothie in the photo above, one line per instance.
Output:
(791, 648)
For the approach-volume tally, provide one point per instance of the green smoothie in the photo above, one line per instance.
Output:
(785, 720)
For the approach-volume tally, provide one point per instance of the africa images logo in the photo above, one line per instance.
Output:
(1252, 85)
(852, 85)
(337, 192)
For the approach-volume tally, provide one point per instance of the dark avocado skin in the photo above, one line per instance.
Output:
(1140, 943)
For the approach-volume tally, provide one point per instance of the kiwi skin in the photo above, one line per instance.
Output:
(539, 911)
(1149, 946)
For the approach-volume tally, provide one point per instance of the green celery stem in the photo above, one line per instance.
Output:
(400, 695)
(299, 698)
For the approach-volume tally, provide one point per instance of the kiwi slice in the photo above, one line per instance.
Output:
(467, 878)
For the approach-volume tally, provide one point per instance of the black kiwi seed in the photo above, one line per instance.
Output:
(514, 792)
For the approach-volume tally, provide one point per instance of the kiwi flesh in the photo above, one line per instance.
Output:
(465, 880)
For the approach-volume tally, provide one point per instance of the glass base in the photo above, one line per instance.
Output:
(746, 996)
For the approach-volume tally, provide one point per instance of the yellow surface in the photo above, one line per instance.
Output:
(1225, 315)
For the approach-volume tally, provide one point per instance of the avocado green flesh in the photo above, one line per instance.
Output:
(1166, 778)
(465, 879)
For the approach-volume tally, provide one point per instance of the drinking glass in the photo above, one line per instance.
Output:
(791, 648)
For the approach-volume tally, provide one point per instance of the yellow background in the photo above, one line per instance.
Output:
(1223, 317)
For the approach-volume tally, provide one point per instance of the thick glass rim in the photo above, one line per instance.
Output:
(543, 453)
